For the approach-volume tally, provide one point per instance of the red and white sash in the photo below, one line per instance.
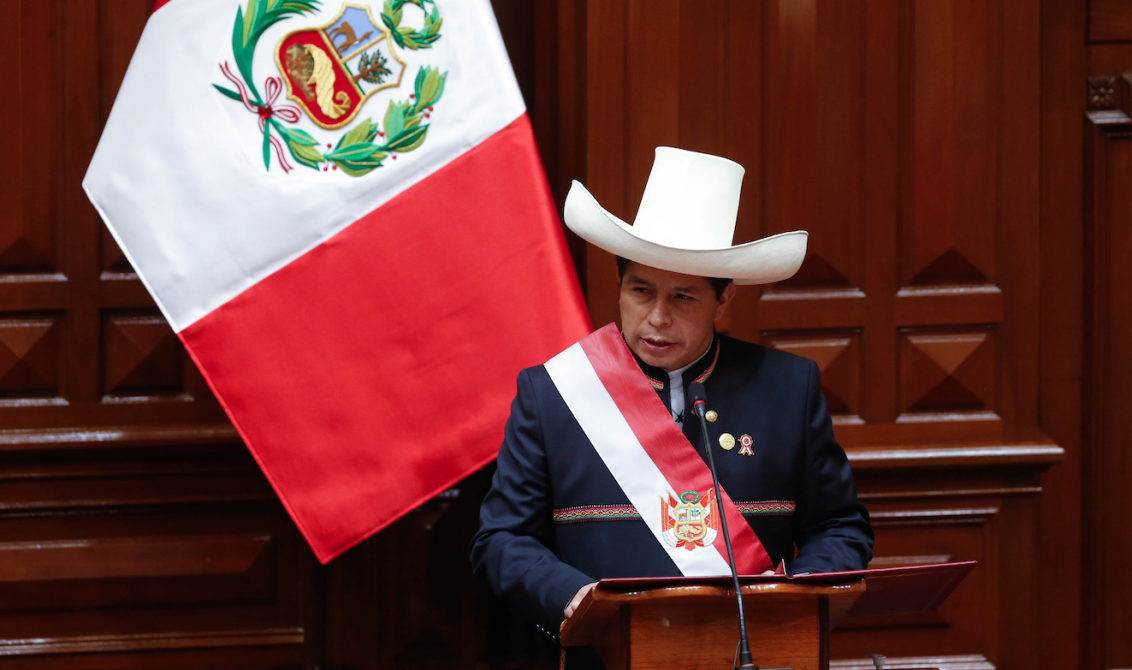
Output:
(649, 456)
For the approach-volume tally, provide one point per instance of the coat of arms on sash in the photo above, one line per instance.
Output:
(686, 522)
(330, 71)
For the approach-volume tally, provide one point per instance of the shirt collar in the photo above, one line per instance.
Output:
(698, 371)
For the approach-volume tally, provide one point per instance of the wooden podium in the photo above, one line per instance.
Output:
(694, 624)
(694, 627)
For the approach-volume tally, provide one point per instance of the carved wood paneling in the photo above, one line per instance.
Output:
(1110, 21)
(68, 559)
(905, 137)
(962, 506)
(964, 621)
(838, 356)
(129, 529)
(813, 154)
(947, 371)
(142, 356)
(135, 549)
(114, 263)
(950, 122)
(29, 228)
(30, 352)
(1108, 444)
(894, 132)
(954, 662)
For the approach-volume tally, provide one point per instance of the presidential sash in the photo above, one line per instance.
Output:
(651, 459)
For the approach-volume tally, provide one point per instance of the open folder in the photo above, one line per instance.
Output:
(911, 589)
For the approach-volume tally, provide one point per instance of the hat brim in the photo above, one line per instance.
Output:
(764, 261)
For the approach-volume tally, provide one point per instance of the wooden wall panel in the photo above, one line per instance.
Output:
(946, 371)
(133, 524)
(135, 543)
(135, 530)
(1108, 465)
(1110, 21)
(30, 357)
(1060, 291)
(909, 136)
(814, 75)
(869, 124)
(838, 355)
(897, 133)
(952, 131)
(905, 136)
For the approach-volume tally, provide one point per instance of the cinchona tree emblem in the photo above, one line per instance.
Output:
(330, 71)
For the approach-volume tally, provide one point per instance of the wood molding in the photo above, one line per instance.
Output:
(972, 662)
(1106, 521)
(93, 644)
(942, 492)
(34, 439)
(1031, 454)
(115, 558)
(932, 517)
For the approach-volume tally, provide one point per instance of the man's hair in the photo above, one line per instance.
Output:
(716, 283)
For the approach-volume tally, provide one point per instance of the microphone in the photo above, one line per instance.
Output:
(699, 404)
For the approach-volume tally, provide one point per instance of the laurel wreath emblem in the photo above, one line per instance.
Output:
(359, 150)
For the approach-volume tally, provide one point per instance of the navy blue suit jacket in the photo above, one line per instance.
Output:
(537, 559)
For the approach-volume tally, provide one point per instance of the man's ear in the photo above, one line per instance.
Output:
(725, 301)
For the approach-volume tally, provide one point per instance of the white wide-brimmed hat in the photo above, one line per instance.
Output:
(686, 223)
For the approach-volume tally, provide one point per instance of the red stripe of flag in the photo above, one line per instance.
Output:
(376, 370)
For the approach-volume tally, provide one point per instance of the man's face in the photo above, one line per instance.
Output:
(667, 317)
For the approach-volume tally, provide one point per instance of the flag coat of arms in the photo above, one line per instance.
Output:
(340, 209)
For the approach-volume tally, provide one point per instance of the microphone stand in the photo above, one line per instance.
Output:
(699, 396)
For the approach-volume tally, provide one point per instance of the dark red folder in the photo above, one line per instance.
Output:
(911, 589)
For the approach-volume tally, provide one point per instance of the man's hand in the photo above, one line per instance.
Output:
(577, 599)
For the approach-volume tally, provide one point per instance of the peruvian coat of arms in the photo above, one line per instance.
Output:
(686, 522)
(329, 71)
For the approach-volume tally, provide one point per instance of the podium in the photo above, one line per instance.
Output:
(692, 624)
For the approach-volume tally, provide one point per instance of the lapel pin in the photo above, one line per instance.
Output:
(711, 416)
(727, 441)
(745, 443)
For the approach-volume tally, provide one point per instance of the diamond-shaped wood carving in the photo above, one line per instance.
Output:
(817, 272)
(29, 357)
(950, 267)
(947, 371)
(25, 250)
(113, 260)
(141, 356)
(838, 356)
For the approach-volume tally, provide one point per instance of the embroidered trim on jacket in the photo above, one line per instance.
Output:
(583, 513)
(710, 368)
(596, 513)
(765, 508)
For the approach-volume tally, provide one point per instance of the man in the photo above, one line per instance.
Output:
(601, 472)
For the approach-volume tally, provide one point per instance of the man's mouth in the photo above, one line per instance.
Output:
(657, 345)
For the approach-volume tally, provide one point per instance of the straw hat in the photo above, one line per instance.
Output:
(686, 223)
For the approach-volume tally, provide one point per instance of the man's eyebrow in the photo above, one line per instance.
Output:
(687, 289)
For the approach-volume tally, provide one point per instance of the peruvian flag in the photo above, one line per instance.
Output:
(340, 209)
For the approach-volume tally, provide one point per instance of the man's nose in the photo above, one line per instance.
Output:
(660, 316)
